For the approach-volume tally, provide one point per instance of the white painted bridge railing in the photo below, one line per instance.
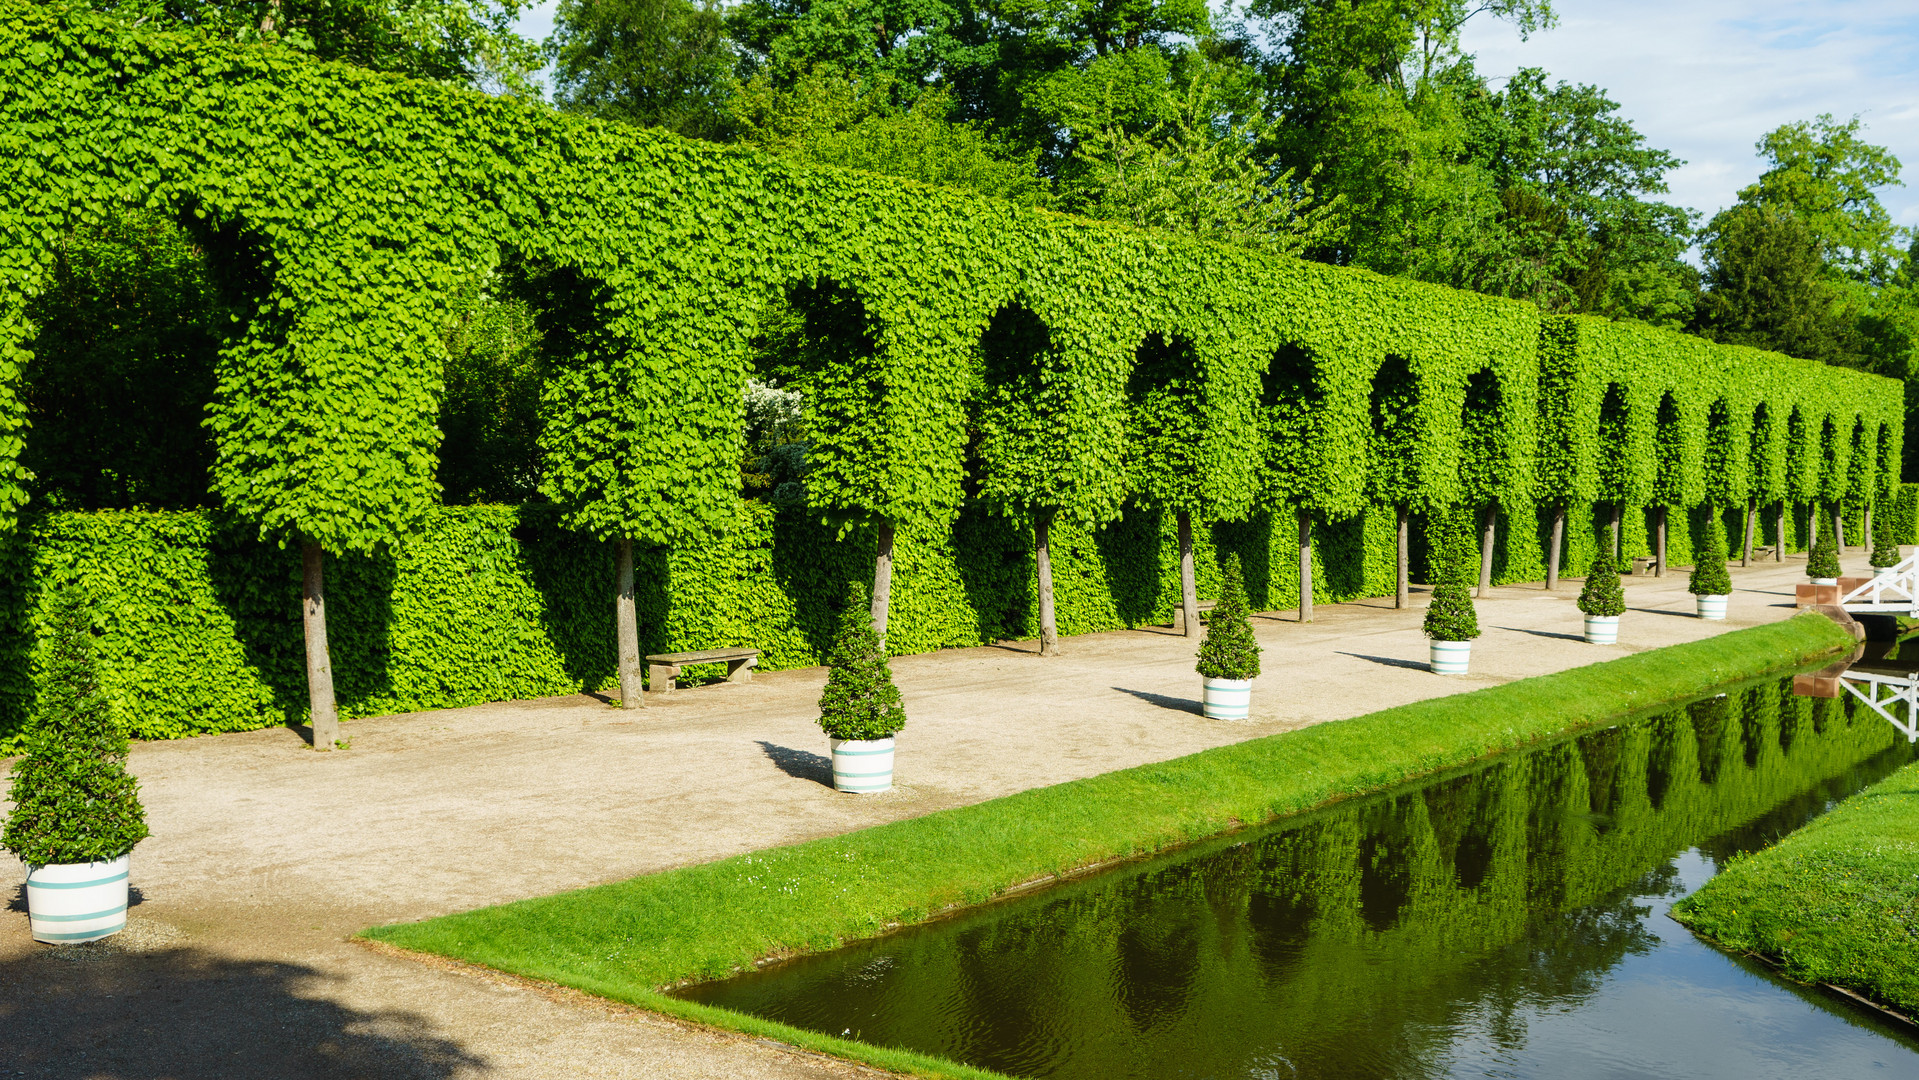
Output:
(1884, 690)
(1893, 590)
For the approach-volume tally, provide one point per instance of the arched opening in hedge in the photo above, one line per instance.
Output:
(1669, 474)
(1166, 431)
(1290, 400)
(1482, 462)
(814, 399)
(1615, 465)
(1721, 455)
(1832, 478)
(1020, 461)
(1801, 481)
(1763, 479)
(132, 316)
(497, 356)
(1393, 475)
(1291, 403)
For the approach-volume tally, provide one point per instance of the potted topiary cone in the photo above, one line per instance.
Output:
(1603, 600)
(1451, 624)
(860, 710)
(1822, 562)
(76, 812)
(1229, 657)
(1710, 584)
(1885, 555)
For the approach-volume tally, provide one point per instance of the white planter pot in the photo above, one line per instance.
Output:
(1449, 657)
(1713, 607)
(1602, 629)
(69, 903)
(1825, 581)
(863, 766)
(1882, 571)
(1226, 699)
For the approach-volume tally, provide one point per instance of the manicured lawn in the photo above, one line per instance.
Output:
(629, 939)
(1836, 902)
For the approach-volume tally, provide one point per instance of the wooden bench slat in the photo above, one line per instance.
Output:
(705, 656)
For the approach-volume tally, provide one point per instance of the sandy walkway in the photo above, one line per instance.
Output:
(265, 856)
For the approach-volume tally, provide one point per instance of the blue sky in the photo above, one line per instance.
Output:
(1705, 79)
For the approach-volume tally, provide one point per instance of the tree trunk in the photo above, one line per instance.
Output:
(1188, 586)
(1779, 549)
(1617, 510)
(1838, 527)
(1486, 551)
(1043, 562)
(1868, 526)
(1402, 594)
(326, 716)
(1305, 566)
(626, 622)
(882, 579)
(1659, 555)
(1752, 513)
(1812, 526)
(1553, 549)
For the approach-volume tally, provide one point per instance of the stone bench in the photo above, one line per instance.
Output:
(663, 668)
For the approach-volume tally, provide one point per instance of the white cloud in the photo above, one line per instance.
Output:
(1705, 79)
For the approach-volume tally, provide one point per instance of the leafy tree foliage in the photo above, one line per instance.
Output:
(865, 121)
(73, 800)
(1808, 262)
(655, 63)
(1197, 170)
(463, 41)
(1767, 285)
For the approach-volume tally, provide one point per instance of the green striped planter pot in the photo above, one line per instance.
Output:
(68, 903)
(1226, 699)
(1713, 606)
(1449, 657)
(1602, 629)
(863, 766)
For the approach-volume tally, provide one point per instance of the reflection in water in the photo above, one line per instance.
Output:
(1505, 921)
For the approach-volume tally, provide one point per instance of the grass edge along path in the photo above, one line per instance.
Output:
(1833, 903)
(630, 940)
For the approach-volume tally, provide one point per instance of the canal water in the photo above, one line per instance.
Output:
(1506, 921)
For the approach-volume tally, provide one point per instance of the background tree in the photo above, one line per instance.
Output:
(463, 41)
(653, 63)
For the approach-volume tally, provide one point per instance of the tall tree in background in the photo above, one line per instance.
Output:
(652, 63)
(462, 41)
(1808, 262)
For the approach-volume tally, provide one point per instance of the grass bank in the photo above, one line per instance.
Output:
(630, 939)
(1836, 902)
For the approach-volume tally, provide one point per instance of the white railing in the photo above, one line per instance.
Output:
(1896, 588)
(1888, 690)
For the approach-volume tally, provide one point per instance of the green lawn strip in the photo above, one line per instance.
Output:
(1836, 902)
(629, 939)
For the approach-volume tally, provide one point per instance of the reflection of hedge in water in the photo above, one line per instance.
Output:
(1374, 922)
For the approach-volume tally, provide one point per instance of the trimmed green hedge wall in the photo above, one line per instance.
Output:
(355, 204)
